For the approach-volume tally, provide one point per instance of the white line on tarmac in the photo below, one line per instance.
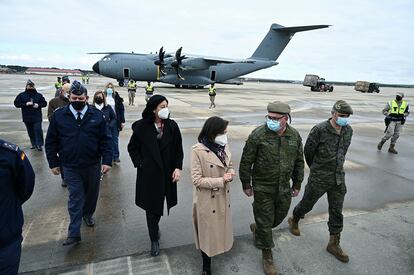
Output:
(26, 233)
(129, 266)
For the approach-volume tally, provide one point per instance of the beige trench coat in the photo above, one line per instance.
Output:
(213, 230)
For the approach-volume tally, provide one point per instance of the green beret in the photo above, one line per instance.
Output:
(278, 107)
(341, 106)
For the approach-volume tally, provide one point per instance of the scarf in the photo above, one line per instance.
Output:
(216, 149)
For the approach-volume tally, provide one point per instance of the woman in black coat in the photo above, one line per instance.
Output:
(156, 150)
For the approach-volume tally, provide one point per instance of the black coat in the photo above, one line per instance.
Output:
(155, 162)
(29, 113)
(119, 110)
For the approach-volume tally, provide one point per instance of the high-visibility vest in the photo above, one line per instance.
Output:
(212, 91)
(395, 110)
(149, 88)
(58, 85)
(132, 85)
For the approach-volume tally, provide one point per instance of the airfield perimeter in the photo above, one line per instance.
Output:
(379, 206)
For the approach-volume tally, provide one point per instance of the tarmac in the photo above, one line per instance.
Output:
(379, 220)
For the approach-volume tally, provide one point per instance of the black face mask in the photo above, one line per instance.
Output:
(398, 98)
(98, 100)
(78, 105)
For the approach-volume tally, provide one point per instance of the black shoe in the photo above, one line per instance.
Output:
(206, 272)
(89, 221)
(70, 241)
(64, 184)
(39, 148)
(33, 147)
(117, 160)
(155, 248)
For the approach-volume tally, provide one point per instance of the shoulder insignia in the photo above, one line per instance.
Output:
(9, 146)
(22, 156)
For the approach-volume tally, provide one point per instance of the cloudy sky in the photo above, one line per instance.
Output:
(369, 40)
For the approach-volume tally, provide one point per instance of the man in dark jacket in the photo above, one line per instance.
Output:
(60, 101)
(31, 102)
(77, 140)
(16, 187)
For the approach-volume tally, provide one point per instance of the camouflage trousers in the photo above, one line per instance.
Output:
(269, 211)
(393, 132)
(314, 190)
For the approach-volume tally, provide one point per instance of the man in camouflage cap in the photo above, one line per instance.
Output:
(325, 151)
(272, 156)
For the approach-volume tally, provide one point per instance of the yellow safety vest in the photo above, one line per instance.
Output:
(395, 110)
(149, 88)
(132, 85)
(58, 85)
(212, 91)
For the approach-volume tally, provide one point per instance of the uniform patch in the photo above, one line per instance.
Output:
(10, 146)
(22, 156)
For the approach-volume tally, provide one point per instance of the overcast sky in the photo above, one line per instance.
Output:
(369, 40)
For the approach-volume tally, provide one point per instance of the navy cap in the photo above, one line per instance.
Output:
(78, 89)
(29, 82)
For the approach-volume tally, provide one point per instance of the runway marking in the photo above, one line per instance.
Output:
(129, 266)
(26, 233)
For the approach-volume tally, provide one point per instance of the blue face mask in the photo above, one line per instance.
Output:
(273, 125)
(342, 121)
(109, 91)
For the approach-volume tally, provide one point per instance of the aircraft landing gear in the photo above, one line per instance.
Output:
(177, 85)
(121, 83)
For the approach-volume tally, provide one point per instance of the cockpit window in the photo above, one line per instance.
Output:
(106, 59)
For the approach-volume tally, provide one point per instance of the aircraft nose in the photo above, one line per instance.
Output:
(95, 67)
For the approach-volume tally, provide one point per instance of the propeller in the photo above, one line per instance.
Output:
(176, 64)
(160, 61)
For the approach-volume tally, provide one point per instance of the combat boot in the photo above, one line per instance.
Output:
(253, 229)
(380, 144)
(392, 149)
(335, 249)
(268, 266)
(294, 225)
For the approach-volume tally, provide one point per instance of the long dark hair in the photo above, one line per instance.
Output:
(213, 127)
(152, 104)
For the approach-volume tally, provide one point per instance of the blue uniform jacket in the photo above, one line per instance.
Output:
(68, 144)
(16, 187)
(29, 113)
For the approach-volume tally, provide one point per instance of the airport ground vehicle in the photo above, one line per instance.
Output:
(317, 84)
(366, 87)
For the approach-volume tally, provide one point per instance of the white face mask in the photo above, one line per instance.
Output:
(99, 107)
(164, 113)
(221, 140)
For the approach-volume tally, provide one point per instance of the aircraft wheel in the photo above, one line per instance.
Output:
(177, 85)
(121, 83)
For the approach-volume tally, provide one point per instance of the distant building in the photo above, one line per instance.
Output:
(5, 70)
(48, 71)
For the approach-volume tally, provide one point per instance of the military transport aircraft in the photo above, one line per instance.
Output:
(191, 71)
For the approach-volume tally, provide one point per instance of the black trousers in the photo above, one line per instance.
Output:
(206, 262)
(153, 228)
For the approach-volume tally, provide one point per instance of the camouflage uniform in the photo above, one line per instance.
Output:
(325, 151)
(270, 161)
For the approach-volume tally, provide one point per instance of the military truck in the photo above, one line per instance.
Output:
(317, 84)
(366, 87)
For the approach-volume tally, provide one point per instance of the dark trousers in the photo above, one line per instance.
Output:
(34, 130)
(206, 262)
(115, 141)
(153, 228)
(10, 258)
(83, 186)
(336, 195)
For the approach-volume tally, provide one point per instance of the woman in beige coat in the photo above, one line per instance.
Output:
(211, 173)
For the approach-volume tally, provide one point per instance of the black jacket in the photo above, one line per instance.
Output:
(119, 110)
(68, 144)
(155, 162)
(29, 113)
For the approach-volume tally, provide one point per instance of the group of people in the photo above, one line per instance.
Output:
(79, 143)
(132, 90)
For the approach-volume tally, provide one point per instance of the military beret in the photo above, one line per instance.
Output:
(78, 89)
(66, 78)
(29, 82)
(400, 94)
(278, 107)
(341, 106)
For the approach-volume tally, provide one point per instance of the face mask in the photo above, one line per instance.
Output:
(109, 91)
(99, 100)
(342, 121)
(221, 140)
(398, 98)
(273, 125)
(99, 106)
(78, 105)
(163, 113)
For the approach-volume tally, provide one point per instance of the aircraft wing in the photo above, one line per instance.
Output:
(200, 63)
(226, 60)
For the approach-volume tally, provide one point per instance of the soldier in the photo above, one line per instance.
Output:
(395, 113)
(149, 91)
(212, 94)
(132, 89)
(272, 156)
(325, 151)
(16, 187)
(58, 86)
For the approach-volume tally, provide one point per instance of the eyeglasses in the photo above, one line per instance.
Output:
(274, 118)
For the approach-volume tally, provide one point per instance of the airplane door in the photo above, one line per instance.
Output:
(126, 73)
(213, 75)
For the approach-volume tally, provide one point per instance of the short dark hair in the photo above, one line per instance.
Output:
(213, 127)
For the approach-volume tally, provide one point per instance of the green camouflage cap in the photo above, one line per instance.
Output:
(278, 107)
(341, 106)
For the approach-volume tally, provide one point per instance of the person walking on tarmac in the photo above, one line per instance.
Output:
(212, 94)
(132, 89)
(83, 78)
(396, 112)
(58, 86)
(149, 91)
(78, 140)
(31, 102)
(87, 79)
(325, 151)
(272, 157)
(16, 187)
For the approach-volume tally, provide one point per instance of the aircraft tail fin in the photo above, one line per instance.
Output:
(277, 38)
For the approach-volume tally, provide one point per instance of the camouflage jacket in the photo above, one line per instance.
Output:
(269, 161)
(325, 152)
